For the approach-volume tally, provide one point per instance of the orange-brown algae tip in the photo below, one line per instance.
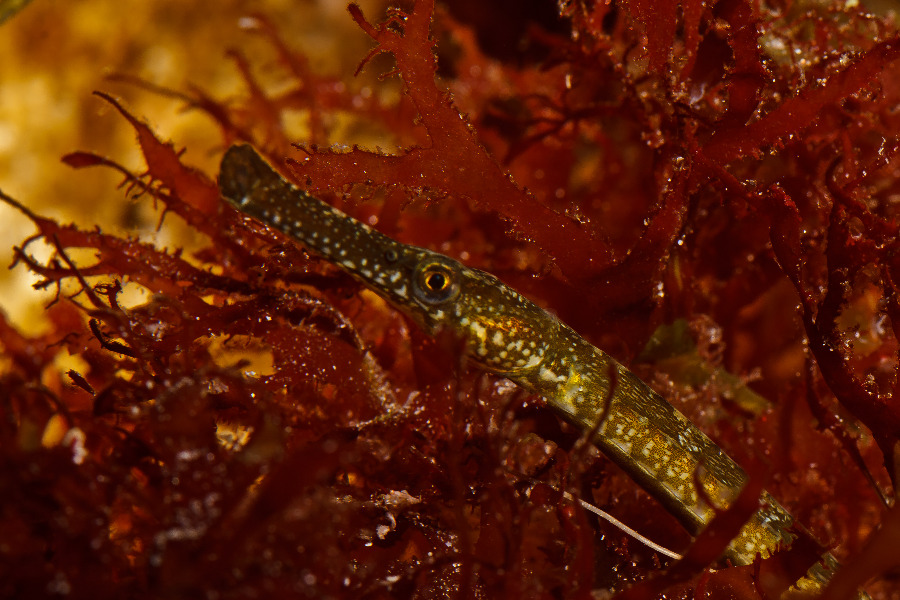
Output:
(508, 335)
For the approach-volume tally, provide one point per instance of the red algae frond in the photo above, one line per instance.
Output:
(259, 425)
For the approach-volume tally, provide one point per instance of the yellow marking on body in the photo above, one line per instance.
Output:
(510, 336)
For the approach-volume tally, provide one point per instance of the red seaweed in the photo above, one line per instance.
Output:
(258, 425)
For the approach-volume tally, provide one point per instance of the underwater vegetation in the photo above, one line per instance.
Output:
(705, 190)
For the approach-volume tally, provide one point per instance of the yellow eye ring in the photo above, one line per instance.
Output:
(436, 281)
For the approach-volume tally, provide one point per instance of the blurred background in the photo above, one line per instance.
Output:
(55, 53)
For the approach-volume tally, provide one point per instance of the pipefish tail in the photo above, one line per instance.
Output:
(509, 336)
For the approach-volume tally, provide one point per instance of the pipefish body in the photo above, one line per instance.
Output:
(510, 336)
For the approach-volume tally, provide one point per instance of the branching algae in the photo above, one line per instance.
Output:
(509, 336)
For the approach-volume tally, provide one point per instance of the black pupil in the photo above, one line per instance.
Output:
(436, 282)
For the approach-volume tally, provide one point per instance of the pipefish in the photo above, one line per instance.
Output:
(510, 336)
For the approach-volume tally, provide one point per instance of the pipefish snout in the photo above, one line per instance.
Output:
(510, 336)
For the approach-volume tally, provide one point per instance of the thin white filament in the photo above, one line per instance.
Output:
(623, 527)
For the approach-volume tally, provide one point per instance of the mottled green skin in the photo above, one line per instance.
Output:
(510, 336)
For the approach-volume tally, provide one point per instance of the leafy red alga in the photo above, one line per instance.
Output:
(658, 22)
(453, 163)
(878, 557)
(258, 426)
(796, 114)
(162, 161)
(822, 306)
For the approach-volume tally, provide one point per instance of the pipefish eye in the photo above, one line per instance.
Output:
(435, 281)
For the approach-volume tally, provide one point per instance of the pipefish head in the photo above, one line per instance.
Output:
(505, 333)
